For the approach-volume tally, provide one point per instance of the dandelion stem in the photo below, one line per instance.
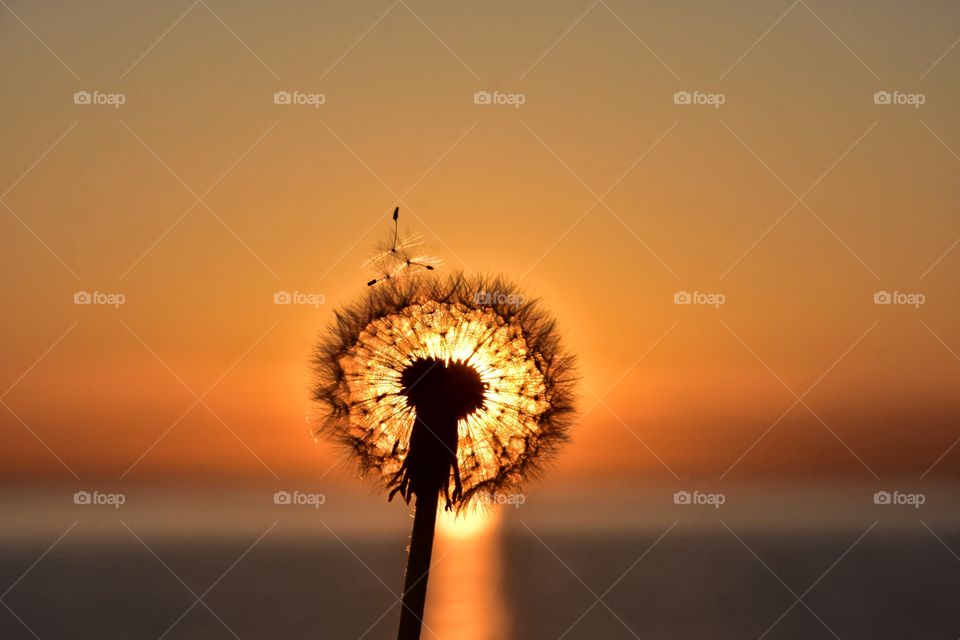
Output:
(418, 565)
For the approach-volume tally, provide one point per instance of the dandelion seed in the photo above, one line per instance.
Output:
(398, 257)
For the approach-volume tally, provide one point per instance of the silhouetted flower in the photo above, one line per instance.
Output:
(474, 342)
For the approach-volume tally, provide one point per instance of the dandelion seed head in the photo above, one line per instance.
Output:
(514, 380)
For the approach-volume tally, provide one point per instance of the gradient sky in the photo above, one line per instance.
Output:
(797, 199)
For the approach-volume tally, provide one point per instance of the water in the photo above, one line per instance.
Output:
(493, 583)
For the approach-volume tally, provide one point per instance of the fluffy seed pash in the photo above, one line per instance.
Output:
(382, 350)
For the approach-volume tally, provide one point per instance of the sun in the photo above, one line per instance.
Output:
(467, 524)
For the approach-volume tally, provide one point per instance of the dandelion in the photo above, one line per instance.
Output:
(455, 386)
(496, 369)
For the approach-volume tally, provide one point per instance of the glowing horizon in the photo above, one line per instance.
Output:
(798, 199)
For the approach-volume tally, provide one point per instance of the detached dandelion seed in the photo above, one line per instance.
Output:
(400, 256)
(442, 385)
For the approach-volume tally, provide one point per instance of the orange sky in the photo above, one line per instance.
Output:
(599, 193)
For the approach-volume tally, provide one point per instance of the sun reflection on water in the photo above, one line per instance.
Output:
(464, 599)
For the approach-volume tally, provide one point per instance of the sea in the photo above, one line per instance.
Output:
(167, 570)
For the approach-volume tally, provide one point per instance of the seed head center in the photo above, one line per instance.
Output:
(452, 388)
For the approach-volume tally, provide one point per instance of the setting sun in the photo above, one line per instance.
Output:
(473, 522)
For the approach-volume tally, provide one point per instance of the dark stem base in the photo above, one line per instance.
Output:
(418, 566)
